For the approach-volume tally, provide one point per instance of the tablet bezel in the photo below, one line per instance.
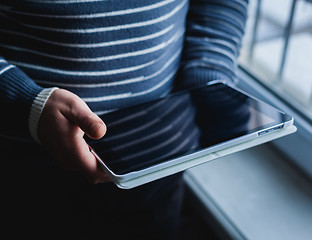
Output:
(257, 133)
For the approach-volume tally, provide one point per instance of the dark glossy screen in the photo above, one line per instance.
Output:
(150, 133)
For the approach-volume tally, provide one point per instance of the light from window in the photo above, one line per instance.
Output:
(277, 49)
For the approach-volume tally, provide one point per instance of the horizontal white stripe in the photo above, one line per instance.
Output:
(170, 126)
(184, 143)
(129, 95)
(210, 49)
(146, 111)
(169, 77)
(136, 115)
(134, 130)
(170, 140)
(105, 58)
(112, 28)
(108, 98)
(99, 15)
(217, 42)
(186, 140)
(82, 73)
(112, 84)
(3, 61)
(143, 139)
(6, 68)
(91, 85)
(104, 112)
(144, 126)
(174, 138)
(65, 1)
(95, 45)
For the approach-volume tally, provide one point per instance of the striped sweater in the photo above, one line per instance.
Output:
(111, 53)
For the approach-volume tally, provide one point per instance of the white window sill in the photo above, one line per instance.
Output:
(254, 194)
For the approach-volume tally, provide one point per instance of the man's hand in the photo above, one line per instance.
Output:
(64, 120)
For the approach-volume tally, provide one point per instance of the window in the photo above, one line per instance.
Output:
(277, 48)
(277, 54)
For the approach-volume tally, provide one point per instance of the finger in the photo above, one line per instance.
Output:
(99, 177)
(91, 124)
(80, 114)
(95, 174)
(89, 166)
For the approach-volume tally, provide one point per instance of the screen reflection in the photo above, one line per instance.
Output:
(154, 132)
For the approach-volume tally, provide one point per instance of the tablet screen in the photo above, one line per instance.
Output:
(180, 124)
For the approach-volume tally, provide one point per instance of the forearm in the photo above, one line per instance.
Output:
(213, 38)
(21, 101)
(64, 119)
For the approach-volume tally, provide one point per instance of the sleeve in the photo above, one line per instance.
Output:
(21, 102)
(214, 31)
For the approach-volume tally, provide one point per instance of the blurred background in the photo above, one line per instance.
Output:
(277, 48)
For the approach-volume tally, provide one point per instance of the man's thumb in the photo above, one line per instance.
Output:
(92, 125)
(89, 122)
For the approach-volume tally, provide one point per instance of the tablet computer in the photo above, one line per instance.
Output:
(184, 129)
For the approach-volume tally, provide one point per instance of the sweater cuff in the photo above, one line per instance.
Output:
(36, 110)
(201, 76)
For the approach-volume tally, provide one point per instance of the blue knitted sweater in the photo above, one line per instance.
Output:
(111, 53)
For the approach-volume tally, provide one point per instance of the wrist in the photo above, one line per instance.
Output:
(36, 110)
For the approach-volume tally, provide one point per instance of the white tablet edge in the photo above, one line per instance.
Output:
(128, 184)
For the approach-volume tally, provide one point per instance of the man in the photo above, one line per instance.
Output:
(66, 62)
